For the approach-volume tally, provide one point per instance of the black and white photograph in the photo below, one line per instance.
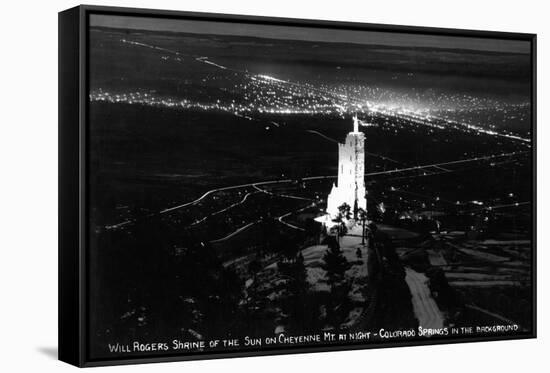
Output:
(258, 186)
(274, 187)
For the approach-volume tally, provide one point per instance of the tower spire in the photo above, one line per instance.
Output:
(355, 123)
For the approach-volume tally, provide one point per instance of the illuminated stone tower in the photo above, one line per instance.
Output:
(351, 174)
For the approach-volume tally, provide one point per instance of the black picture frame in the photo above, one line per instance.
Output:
(73, 178)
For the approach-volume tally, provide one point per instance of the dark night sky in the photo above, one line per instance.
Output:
(311, 34)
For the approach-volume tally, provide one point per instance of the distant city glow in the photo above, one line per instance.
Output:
(247, 95)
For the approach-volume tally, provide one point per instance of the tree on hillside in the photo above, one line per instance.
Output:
(297, 275)
(362, 215)
(344, 214)
(335, 264)
(289, 249)
(345, 210)
(293, 299)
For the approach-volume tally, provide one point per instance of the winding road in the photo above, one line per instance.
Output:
(225, 208)
(236, 232)
(281, 218)
(283, 181)
(425, 309)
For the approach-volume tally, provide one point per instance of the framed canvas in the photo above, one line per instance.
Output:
(236, 186)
